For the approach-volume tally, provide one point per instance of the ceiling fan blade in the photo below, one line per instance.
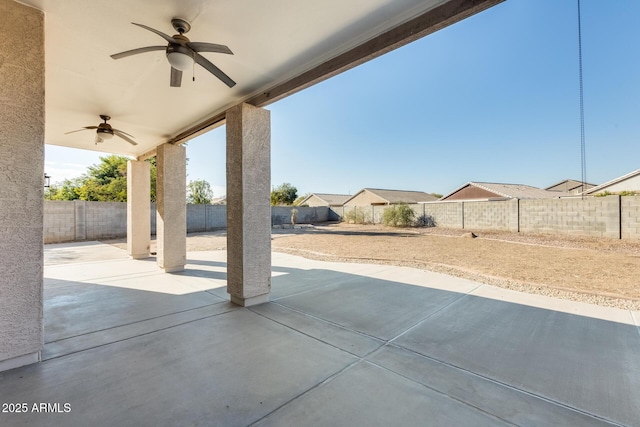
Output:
(214, 70)
(125, 137)
(160, 33)
(123, 132)
(209, 47)
(137, 51)
(84, 128)
(176, 77)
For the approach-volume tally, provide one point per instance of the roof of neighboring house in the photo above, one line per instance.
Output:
(569, 185)
(397, 196)
(330, 199)
(219, 201)
(613, 181)
(511, 191)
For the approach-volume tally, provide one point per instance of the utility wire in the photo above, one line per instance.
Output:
(583, 159)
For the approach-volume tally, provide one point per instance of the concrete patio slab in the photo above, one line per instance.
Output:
(189, 374)
(80, 308)
(380, 308)
(366, 395)
(581, 362)
(506, 403)
(339, 344)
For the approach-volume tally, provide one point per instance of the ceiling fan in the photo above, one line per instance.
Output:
(105, 131)
(182, 53)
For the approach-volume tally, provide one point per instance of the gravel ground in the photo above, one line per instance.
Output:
(596, 271)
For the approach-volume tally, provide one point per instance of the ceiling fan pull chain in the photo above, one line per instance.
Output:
(194, 71)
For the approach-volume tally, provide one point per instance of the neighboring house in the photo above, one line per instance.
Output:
(378, 197)
(321, 199)
(570, 186)
(627, 183)
(492, 190)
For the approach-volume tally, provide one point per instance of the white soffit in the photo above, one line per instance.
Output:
(272, 42)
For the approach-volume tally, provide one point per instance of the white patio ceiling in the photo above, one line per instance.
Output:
(279, 47)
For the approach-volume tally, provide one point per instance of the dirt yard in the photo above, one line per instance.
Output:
(597, 271)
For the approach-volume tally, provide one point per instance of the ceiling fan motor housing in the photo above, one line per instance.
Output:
(105, 132)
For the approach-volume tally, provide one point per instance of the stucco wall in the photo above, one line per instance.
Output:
(629, 184)
(365, 198)
(21, 183)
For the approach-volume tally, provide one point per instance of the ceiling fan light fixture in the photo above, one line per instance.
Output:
(105, 133)
(180, 58)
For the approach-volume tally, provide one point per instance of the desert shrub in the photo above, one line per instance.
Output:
(400, 215)
(603, 194)
(425, 220)
(621, 193)
(357, 216)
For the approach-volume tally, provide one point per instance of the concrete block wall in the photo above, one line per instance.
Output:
(206, 217)
(629, 214)
(364, 214)
(196, 218)
(281, 215)
(104, 220)
(154, 218)
(593, 216)
(445, 214)
(66, 221)
(492, 215)
(611, 217)
(59, 221)
(216, 217)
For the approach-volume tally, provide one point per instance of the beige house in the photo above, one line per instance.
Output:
(570, 186)
(378, 197)
(323, 199)
(492, 190)
(628, 183)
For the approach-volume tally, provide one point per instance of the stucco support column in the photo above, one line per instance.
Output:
(171, 200)
(248, 204)
(21, 184)
(138, 209)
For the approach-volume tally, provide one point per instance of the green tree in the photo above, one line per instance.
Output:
(154, 175)
(199, 192)
(65, 191)
(284, 194)
(104, 182)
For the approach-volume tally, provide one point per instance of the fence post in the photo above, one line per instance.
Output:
(619, 216)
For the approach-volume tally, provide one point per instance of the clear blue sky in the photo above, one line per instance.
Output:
(493, 98)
